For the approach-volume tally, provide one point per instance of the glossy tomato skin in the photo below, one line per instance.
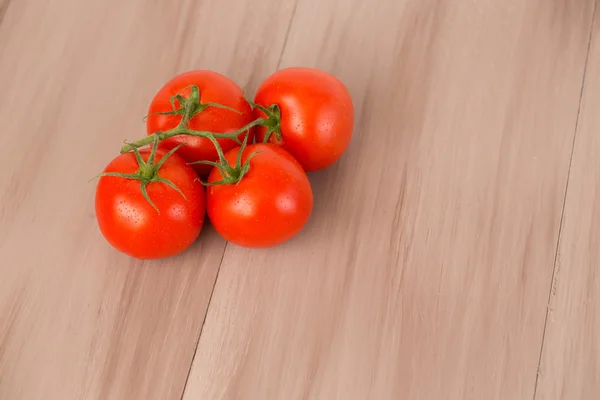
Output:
(214, 88)
(269, 206)
(131, 225)
(317, 115)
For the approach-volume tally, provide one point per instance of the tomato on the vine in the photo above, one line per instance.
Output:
(269, 205)
(313, 112)
(150, 207)
(213, 111)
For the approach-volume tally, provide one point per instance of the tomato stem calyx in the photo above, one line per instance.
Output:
(231, 175)
(148, 171)
(191, 106)
(272, 122)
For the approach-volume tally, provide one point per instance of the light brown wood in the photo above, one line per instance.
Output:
(77, 319)
(424, 272)
(570, 363)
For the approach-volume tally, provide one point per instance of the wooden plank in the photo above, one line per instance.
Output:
(77, 319)
(570, 362)
(425, 269)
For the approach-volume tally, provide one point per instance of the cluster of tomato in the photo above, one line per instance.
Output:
(252, 157)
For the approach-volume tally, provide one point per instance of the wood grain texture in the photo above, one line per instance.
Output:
(3, 7)
(570, 363)
(424, 272)
(77, 319)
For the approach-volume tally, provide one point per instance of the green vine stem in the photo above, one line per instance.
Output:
(190, 107)
(181, 129)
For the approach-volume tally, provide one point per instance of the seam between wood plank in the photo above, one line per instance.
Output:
(187, 24)
(212, 292)
(185, 385)
(287, 35)
(562, 215)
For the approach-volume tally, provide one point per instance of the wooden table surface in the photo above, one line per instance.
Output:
(452, 252)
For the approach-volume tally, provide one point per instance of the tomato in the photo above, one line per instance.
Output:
(317, 115)
(213, 88)
(133, 225)
(268, 206)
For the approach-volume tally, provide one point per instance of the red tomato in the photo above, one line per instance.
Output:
(132, 225)
(214, 88)
(317, 115)
(270, 204)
